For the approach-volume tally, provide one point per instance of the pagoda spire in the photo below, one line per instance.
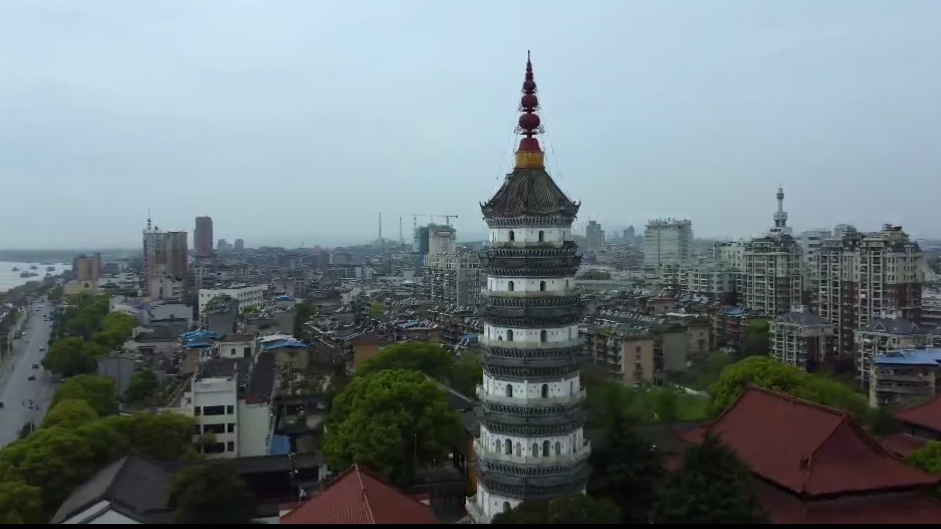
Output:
(529, 154)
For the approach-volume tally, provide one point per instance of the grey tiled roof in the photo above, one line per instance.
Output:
(136, 485)
(895, 326)
(529, 192)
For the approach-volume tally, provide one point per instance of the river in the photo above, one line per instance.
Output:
(10, 279)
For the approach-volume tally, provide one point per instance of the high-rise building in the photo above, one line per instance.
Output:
(441, 239)
(202, 237)
(594, 235)
(87, 267)
(531, 442)
(239, 245)
(772, 269)
(165, 253)
(862, 277)
(667, 242)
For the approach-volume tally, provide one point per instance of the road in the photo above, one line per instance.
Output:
(16, 390)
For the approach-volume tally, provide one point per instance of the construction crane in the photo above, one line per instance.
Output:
(431, 217)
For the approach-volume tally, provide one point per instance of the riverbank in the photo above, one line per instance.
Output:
(10, 273)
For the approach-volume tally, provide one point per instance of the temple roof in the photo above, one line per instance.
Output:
(925, 415)
(529, 192)
(809, 449)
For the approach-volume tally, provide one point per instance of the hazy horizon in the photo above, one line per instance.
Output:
(290, 121)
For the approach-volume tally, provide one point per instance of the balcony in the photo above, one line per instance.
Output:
(581, 455)
(531, 293)
(579, 396)
(502, 344)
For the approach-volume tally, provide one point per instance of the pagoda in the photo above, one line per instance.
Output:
(531, 444)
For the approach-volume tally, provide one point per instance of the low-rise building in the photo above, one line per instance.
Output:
(904, 375)
(248, 296)
(882, 335)
(802, 340)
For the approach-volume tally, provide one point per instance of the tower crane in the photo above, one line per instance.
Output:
(447, 218)
(431, 216)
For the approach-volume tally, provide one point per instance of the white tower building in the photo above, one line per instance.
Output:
(531, 443)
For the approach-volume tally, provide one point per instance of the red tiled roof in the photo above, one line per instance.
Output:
(901, 444)
(358, 497)
(926, 415)
(808, 448)
(904, 508)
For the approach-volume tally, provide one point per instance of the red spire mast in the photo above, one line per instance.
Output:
(529, 154)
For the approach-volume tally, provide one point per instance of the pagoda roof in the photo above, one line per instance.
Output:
(529, 192)
(807, 448)
(925, 415)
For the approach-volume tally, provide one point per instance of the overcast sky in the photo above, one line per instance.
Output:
(289, 121)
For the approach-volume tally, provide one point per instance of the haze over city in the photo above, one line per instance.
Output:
(296, 121)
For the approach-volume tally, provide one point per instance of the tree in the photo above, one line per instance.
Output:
(712, 487)
(767, 373)
(70, 413)
(467, 374)
(20, 504)
(424, 357)
(116, 328)
(757, 342)
(574, 509)
(54, 460)
(98, 392)
(377, 309)
(303, 313)
(141, 387)
(627, 470)
(72, 356)
(387, 420)
(927, 458)
(211, 493)
(159, 436)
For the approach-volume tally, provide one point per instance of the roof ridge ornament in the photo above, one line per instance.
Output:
(529, 154)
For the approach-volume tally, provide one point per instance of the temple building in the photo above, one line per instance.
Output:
(531, 443)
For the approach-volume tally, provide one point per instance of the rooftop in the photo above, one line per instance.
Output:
(926, 415)
(930, 356)
(359, 497)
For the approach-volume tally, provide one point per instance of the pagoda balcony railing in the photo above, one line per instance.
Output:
(563, 362)
(536, 373)
(567, 458)
(535, 273)
(533, 294)
(538, 251)
(535, 346)
(491, 263)
(530, 490)
(540, 402)
(533, 321)
(507, 415)
(530, 221)
(533, 301)
(529, 311)
(531, 430)
(535, 244)
(538, 475)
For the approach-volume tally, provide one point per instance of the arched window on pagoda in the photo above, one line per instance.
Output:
(542, 286)
(558, 448)
(509, 390)
(543, 335)
(535, 449)
(545, 449)
(519, 449)
(542, 236)
(509, 335)
(512, 236)
(511, 286)
(506, 506)
(545, 390)
(508, 447)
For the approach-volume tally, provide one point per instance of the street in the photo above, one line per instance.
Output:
(16, 390)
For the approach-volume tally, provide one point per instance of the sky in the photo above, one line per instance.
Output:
(291, 121)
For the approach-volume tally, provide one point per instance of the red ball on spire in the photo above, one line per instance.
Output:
(529, 122)
(529, 102)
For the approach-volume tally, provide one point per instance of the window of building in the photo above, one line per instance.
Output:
(213, 410)
(509, 390)
(512, 236)
(197, 411)
(509, 335)
(535, 449)
(230, 409)
(542, 286)
(197, 430)
(214, 448)
(542, 236)
(558, 448)
(519, 449)
(233, 351)
(230, 427)
(510, 286)
(214, 428)
(247, 352)
(508, 447)
(543, 336)
(545, 448)
(545, 390)
(506, 506)
(230, 446)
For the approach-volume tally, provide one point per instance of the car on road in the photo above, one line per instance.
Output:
(42, 349)
(32, 377)
(1, 405)
(35, 366)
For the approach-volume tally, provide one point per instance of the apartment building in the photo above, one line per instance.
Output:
(730, 254)
(802, 340)
(248, 296)
(904, 376)
(772, 268)
(667, 242)
(715, 279)
(883, 335)
(452, 278)
(863, 277)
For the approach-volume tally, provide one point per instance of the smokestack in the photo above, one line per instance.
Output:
(380, 227)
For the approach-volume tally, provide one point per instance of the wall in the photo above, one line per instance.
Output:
(256, 422)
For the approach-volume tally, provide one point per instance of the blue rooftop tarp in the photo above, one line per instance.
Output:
(280, 445)
(296, 344)
(197, 344)
(284, 298)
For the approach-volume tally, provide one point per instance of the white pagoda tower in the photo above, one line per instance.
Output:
(531, 443)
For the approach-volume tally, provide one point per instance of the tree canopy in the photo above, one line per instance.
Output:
(757, 341)
(70, 413)
(211, 493)
(712, 487)
(20, 504)
(927, 458)
(72, 356)
(385, 419)
(767, 373)
(462, 373)
(98, 392)
(574, 509)
(142, 386)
